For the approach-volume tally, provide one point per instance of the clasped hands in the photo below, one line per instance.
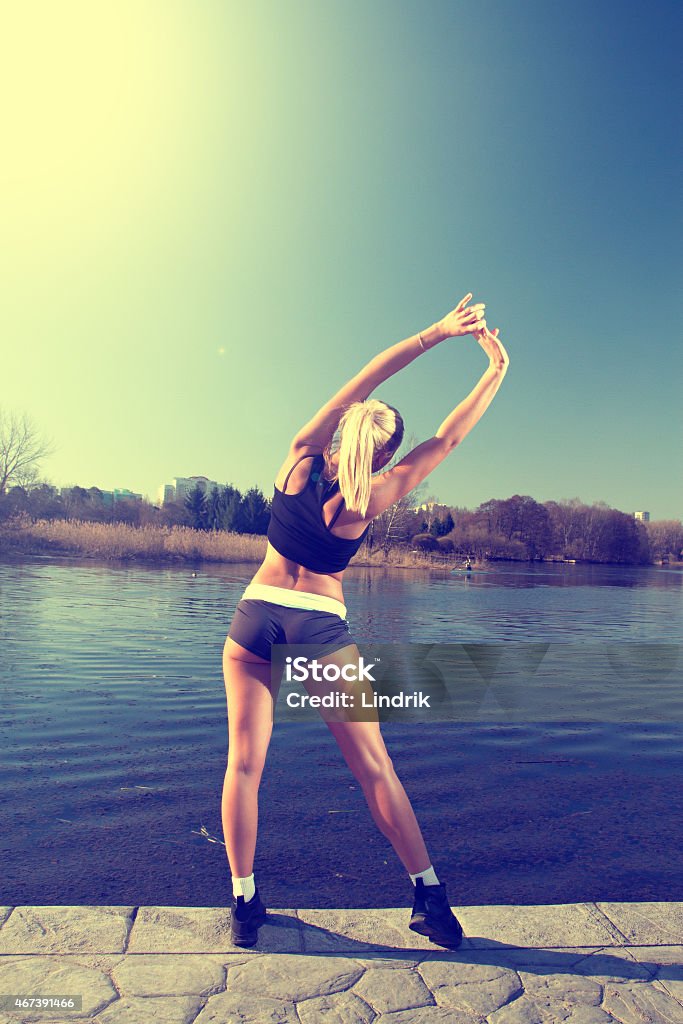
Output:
(470, 319)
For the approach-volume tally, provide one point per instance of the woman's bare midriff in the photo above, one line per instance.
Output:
(277, 571)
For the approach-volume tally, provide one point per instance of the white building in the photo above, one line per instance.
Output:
(181, 486)
(432, 506)
(643, 516)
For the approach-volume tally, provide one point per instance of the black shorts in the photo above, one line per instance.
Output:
(259, 624)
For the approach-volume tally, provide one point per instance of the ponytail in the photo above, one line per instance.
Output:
(365, 428)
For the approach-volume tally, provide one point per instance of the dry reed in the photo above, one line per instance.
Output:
(120, 541)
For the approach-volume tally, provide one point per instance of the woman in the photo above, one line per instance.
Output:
(323, 504)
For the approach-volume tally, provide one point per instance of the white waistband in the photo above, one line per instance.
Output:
(294, 598)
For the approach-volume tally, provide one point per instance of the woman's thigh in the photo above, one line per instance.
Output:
(250, 706)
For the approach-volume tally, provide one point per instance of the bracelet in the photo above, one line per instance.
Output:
(421, 341)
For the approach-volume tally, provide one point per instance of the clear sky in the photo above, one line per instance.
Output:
(214, 213)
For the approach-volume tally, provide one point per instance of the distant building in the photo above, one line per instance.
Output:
(123, 492)
(643, 516)
(109, 498)
(181, 486)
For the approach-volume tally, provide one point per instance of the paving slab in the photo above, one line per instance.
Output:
(291, 977)
(358, 931)
(339, 1008)
(475, 988)
(634, 1004)
(614, 965)
(385, 990)
(206, 930)
(163, 1010)
(247, 1008)
(148, 974)
(54, 929)
(669, 955)
(646, 923)
(57, 976)
(573, 924)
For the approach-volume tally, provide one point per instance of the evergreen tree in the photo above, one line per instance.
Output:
(440, 527)
(213, 509)
(229, 501)
(254, 512)
(196, 505)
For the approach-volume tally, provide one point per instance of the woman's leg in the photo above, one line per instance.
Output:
(250, 724)
(362, 746)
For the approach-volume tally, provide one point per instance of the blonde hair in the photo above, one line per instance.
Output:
(369, 431)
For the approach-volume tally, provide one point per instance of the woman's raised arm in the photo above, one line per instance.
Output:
(395, 483)
(458, 424)
(464, 319)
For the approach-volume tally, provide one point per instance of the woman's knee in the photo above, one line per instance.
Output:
(247, 750)
(245, 764)
(372, 768)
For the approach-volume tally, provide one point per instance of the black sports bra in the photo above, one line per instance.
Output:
(297, 529)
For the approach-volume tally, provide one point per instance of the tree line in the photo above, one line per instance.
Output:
(522, 529)
(224, 508)
(517, 528)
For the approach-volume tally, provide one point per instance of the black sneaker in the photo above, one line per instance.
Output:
(432, 915)
(245, 918)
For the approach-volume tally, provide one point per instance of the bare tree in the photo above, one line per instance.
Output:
(666, 537)
(395, 523)
(398, 521)
(21, 448)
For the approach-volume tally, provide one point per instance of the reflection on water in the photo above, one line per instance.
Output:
(113, 732)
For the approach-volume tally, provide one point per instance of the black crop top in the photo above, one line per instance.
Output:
(298, 531)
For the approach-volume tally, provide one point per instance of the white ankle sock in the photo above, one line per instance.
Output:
(428, 876)
(244, 887)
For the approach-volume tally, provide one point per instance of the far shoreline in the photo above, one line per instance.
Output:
(179, 546)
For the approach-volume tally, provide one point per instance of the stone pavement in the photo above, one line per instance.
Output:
(585, 963)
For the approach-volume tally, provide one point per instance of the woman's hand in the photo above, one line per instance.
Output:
(463, 319)
(493, 346)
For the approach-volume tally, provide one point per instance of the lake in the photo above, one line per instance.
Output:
(114, 738)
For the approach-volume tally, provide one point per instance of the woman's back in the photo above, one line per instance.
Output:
(302, 522)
